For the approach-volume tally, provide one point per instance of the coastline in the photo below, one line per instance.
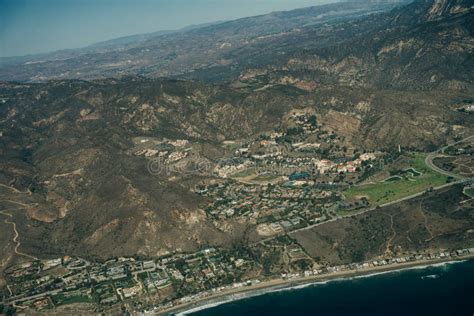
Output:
(276, 285)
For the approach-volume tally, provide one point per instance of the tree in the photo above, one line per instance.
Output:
(313, 121)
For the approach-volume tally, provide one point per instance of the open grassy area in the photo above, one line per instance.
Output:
(61, 299)
(258, 179)
(266, 178)
(244, 173)
(384, 192)
(469, 192)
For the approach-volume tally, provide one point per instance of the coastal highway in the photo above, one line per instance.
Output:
(279, 283)
(375, 207)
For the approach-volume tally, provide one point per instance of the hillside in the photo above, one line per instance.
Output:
(73, 150)
(76, 147)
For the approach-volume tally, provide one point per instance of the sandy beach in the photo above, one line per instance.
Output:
(266, 286)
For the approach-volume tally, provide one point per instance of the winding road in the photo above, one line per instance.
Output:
(429, 163)
(433, 155)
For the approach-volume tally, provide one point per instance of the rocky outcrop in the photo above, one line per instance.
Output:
(445, 8)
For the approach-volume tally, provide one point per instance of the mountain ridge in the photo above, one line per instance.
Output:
(169, 54)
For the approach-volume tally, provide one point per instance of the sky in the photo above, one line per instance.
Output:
(38, 26)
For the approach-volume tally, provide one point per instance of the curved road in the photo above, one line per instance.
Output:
(429, 163)
(433, 155)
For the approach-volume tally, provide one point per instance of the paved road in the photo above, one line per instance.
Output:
(20, 298)
(381, 205)
(431, 156)
(429, 163)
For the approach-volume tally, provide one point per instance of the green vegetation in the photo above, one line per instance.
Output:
(413, 172)
(62, 299)
(393, 178)
(244, 173)
(387, 191)
(7, 310)
(469, 192)
(265, 178)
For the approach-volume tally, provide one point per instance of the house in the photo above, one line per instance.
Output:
(341, 168)
(51, 263)
(131, 291)
(367, 156)
(276, 227)
(239, 262)
(350, 167)
(230, 212)
(150, 264)
(296, 220)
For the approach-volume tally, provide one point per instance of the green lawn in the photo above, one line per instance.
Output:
(61, 299)
(384, 192)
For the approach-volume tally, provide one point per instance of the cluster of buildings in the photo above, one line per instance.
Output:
(469, 108)
(271, 182)
(300, 147)
(277, 162)
(275, 208)
(307, 275)
(303, 194)
(325, 165)
(232, 168)
(169, 151)
(47, 283)
(43, 284)
(171, 280)
(413, 258)
(282, 149)
(267, 202)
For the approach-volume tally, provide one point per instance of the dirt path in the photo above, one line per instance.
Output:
(394, 234)
(16, 237)
(425, 221)
(15, 190)
(19, 203)
(426, 226)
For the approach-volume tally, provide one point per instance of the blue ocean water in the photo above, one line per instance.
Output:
(440, 290)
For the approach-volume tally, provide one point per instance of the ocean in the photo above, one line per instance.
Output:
(445, 289)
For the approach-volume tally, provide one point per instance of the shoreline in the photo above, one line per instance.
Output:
(276, 285)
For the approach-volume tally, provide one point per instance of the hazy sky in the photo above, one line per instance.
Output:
(35, 26)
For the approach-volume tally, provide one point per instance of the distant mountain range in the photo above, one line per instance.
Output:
(167, 53)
